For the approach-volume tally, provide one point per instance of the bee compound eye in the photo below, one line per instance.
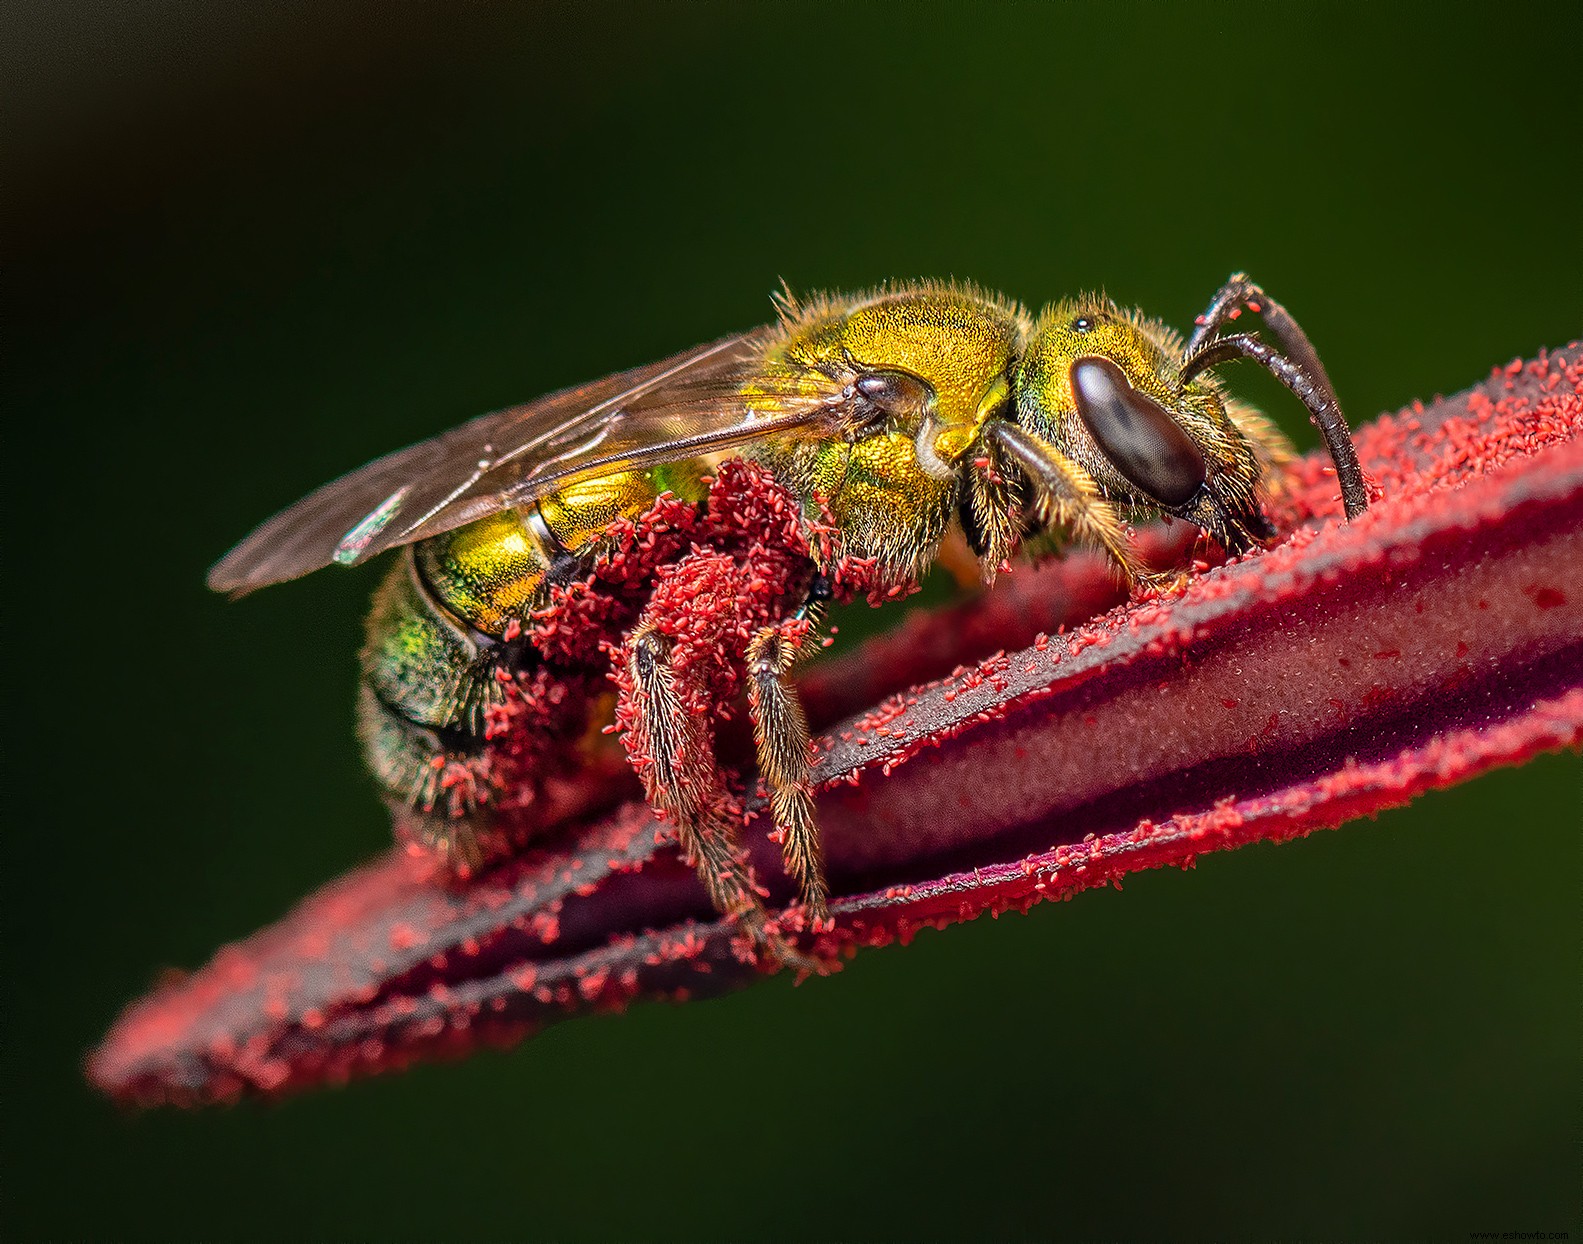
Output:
(1142, 441)
(892, 392)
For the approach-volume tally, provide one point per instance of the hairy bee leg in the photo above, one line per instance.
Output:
(986, 514)
(780, 731)
(681, 779)
(680, 775)
(1321, 402)
(1067, 495)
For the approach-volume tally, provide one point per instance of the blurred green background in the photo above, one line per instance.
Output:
(250, 248)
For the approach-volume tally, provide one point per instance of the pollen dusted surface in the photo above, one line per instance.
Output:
(1344, 671)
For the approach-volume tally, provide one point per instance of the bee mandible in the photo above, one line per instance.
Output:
(677, 529)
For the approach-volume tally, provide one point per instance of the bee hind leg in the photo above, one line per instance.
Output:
(672, 749)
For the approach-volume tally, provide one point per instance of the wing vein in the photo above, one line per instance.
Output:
(692, 403)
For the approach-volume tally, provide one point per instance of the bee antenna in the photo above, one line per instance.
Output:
(1323, 408)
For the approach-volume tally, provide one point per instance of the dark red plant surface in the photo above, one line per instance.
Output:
(1344, 671)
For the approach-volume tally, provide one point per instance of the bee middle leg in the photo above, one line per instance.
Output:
(780, 731)
(673, 752)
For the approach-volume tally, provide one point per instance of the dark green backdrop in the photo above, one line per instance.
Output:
(250, 250)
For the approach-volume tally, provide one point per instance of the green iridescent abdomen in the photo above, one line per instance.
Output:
(436, 635)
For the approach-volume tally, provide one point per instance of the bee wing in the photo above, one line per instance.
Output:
(682, 406)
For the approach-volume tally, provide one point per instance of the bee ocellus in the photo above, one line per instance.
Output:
(689, 519)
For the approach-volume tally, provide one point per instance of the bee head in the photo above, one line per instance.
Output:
(1103, 386)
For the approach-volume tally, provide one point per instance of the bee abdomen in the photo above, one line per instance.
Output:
(490, 572)
(424, 661)
(436, 638)
(427, 683)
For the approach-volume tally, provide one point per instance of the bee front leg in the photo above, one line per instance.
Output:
(671, 748)
(1065, 495)
(780, 731)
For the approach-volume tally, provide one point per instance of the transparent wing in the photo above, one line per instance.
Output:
(682, 406)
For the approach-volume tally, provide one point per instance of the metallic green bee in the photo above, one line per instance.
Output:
(877, 422)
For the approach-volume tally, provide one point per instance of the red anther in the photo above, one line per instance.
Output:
(1480, 512)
